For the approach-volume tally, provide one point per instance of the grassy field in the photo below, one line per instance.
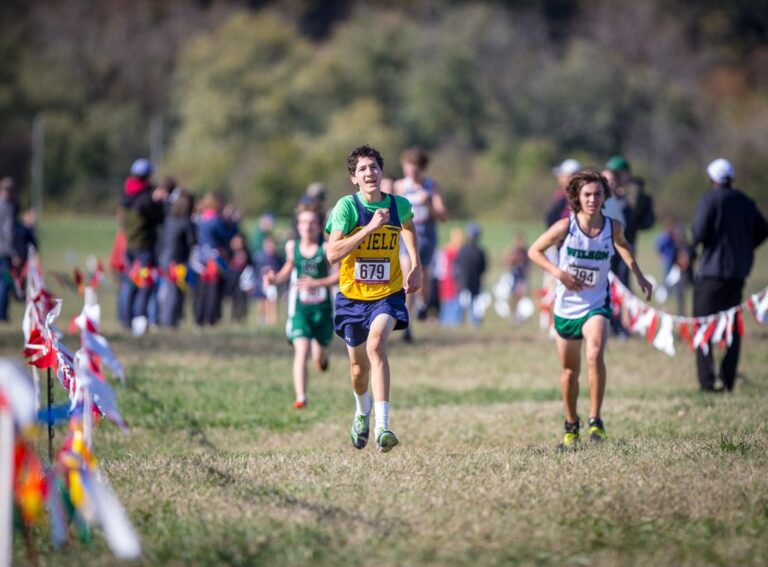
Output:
(219, 470)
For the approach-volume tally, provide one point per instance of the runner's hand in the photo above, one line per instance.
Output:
(380, 218)
(306, 283)
(646, 286)
(413, 281)
(570, 282)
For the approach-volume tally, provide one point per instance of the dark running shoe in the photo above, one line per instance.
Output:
(596, 430)
(571, 435)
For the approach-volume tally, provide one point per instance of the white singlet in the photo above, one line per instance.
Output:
(589, 260)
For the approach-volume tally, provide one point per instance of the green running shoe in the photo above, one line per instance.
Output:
(386, 440)
(360, 430)
(571, 435)
(596, 430)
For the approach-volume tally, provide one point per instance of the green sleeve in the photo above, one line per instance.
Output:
(343, 217)
(404, 209)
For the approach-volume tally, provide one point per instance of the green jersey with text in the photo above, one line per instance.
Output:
(314, 267)
(310, 312)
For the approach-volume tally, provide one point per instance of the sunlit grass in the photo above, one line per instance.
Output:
(220, 470)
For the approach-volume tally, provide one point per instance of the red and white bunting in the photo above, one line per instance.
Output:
(698, 332)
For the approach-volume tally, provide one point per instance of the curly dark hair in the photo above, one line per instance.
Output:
(579, 180)
(363, 151)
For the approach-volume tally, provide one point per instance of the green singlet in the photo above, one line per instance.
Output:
(310, 313)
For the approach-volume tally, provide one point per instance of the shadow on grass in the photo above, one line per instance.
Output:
(194, 430)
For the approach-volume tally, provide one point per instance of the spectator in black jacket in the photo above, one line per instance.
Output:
(638, 209)
(142, 214)
(728, 226)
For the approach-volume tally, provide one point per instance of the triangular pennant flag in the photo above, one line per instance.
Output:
(665, 339)
(710, 326)
(739, 324)
(18, 391)
(729, 326)
(644, 321)
(653, 327)
(686, 333)
(65, 369)
(118, 531)
(704, 332)
(761, 309)
(105, 399)
(100, 347)
(719, 331)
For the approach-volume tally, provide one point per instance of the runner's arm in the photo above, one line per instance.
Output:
(413, 280)
(551, 237)
(339, 247)
(622, 247)
(554, 234)
(331, 279)
(285, 272)
(437, 205)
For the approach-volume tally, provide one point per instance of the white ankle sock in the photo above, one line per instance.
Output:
(382, 415)
(363, 402)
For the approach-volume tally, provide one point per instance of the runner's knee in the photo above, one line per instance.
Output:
(359, 369)
(570, 375)
(376, 346)
(594, 354)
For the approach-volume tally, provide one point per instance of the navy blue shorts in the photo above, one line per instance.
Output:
(353, 318)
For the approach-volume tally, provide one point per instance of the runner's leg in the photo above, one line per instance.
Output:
(595, 332)
(570, 359)
(300, 355)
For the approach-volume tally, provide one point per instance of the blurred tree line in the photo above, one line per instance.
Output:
(260, 98)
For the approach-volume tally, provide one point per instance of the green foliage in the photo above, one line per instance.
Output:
(253, 107)
(269, 178)
(228, 96)
(362, 122)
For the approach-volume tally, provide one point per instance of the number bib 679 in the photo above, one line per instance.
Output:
(372, 270)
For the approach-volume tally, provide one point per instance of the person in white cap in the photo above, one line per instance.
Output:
(728, 227)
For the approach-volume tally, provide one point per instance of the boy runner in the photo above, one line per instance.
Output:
(426, 198)
(310, 313)
(587, 240)
(365, 230)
